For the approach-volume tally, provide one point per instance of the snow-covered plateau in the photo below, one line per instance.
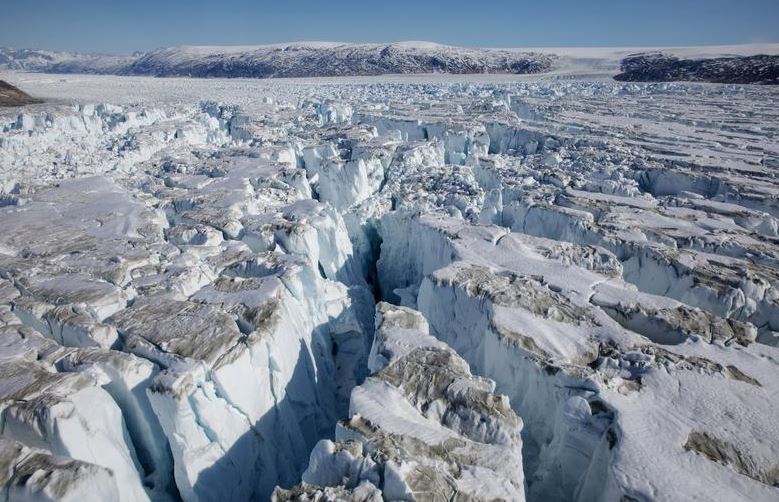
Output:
(389, 288)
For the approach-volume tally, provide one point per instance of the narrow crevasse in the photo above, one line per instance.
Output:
(420, 427)
(556, 403)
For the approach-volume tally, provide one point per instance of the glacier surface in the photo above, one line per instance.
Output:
(419, 288)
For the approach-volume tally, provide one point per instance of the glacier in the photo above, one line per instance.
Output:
(388, 288)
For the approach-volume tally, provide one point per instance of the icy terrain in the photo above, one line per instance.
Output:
(427, 288)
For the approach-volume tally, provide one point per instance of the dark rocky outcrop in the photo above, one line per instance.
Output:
(11, 96)
(659, 67)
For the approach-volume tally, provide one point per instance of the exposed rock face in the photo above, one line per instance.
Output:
(658, 67)
(11, 96)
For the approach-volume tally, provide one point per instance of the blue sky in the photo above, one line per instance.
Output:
(124, 26)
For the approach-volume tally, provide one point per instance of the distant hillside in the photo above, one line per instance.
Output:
(287, 60)
(62, 62)
(11, 96)
(325, 60)
(722, 64)
(660, 67)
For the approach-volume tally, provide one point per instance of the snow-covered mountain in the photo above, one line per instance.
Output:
(62, 62)
(305, 59)
(31, 59)
(724, 64)
(333, 59)
(320, 60)
(663, 67)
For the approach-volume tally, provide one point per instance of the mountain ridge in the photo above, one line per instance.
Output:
(339, 59)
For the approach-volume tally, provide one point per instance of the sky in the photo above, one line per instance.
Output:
(113, 26)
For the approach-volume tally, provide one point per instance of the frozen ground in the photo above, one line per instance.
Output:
(397, 288)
